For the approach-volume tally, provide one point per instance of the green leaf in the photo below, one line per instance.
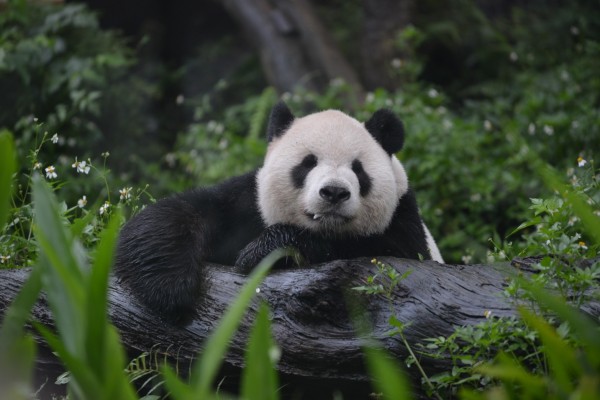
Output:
(96, 308)
(584, 211)
(259, 382)
(8, 167)
(508, 370)
(386, 375)
(205, 370)
(527, 224)
(17, 352)
(61, 276)
(561, 357)
(582, 327)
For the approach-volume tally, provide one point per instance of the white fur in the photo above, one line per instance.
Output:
(337, 140)
(432, 246)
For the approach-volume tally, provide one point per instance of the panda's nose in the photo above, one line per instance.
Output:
(334, 194)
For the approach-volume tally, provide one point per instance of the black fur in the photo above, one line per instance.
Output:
(300, 171)
(387, 129)
(364, 180)
(279, 121)
(405, 238)
(161, 251)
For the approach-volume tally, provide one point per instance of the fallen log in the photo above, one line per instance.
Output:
(320, 350)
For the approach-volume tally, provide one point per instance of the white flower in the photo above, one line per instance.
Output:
(105, 154)
(513, 56)
(4, 259)
(336, 82)
(54, 138)
(370, 97)
(572, 221)
(104, 208)
(466, 259)
(487, 314)
(582, 245)
(475, 197)
(396, 63)
(37, 165)
(81, 166)
(487, 125)
(581, 161)
(179, 99)
(125, 193)
(51, 172)
(432, 93)
(82, 202)
(531, 128)
(548, 130)
(574, 31)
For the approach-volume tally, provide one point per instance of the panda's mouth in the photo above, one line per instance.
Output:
(328, 217)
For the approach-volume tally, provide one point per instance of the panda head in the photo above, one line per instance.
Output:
(329, 173)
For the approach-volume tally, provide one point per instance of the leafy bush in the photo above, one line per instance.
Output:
(58, 66)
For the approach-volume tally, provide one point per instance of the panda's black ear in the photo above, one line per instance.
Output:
(387, 129)
(280, 120)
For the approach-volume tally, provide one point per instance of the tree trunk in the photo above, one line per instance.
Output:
(294, 47)
(320, 351)
(383, 19)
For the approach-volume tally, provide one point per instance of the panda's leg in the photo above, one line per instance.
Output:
(159, 257)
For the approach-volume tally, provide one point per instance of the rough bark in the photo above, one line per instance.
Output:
(321, 352)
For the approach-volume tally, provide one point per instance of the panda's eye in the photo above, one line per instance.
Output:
(357, 167)
(364, 180)
(300, 171)
(310, 161)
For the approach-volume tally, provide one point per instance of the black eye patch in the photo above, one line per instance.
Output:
(364, 180)
(300, 171)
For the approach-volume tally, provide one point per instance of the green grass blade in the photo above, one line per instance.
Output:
(177, 389)
(561, 357)
(96, 307)
(50, 225)
(17, 352)
(217, 344)
(82, 380)
(116, 382)
(582, 327)
(8, 167)
(509, 370)
(259, 382)
(386, 375)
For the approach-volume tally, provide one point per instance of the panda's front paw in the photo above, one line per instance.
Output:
(250, 257)
(278, 236)
(253, 254)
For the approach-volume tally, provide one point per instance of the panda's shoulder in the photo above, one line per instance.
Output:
(241, 188)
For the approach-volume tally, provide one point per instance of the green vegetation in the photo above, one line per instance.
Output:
(477, 152)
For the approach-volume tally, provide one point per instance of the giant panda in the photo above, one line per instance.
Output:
(330, 187)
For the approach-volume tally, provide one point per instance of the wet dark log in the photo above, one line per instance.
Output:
(320, 349)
